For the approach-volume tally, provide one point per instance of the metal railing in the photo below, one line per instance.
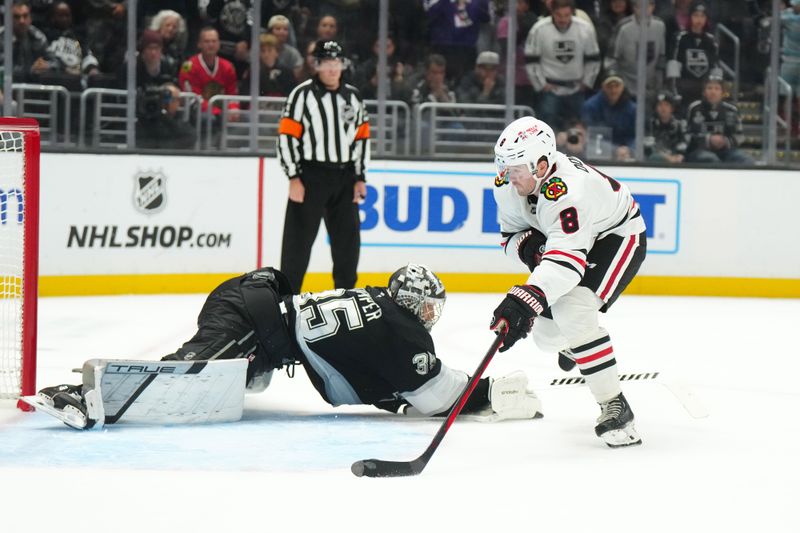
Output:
(108, 118)
(191, 110)
(398, 127)
(42, 103)
(460, 130)
(785, 90)
(223, 132)
(229, 130)
(732, 72)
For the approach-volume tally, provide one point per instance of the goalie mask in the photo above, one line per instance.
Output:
(417, 289)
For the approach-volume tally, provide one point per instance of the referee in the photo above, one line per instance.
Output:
(323, 147)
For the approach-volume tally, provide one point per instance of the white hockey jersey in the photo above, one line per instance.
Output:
(563, 59)
(576, 205)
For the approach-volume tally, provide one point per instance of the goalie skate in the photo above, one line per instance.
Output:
(615, 423)
(48, 393)
(63, 406)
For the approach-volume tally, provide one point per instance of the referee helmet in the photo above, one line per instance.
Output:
(329, 50)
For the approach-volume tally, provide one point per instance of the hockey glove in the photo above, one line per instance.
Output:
(522, 304)
(530, 248)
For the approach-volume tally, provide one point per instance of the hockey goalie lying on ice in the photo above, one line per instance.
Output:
(358, 346)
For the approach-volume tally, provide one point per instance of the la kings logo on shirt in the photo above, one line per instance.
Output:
(423, 362)
(697, 62)
(565, 51)
(149, 194)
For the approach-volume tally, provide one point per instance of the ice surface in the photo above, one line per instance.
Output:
(286, 466)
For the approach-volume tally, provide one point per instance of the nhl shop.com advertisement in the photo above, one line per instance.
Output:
(137, 215)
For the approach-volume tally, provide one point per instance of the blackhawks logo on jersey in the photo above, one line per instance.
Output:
(500, 180)
(554, 188)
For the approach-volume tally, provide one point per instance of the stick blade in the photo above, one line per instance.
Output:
(379, 468)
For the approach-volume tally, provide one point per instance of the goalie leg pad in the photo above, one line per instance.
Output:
(148, 392)
(164, 392)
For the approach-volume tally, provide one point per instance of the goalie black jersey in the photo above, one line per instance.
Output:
(359, 347)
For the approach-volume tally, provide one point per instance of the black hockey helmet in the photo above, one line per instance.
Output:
(328, 50)
(416, 288)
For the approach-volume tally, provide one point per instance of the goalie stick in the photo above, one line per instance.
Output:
(690, 402)
(380, 468)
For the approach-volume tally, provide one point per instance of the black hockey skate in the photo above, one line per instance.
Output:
(73, 409)
(615, 423)
(48, 392)
(64, 402)
(565, 360)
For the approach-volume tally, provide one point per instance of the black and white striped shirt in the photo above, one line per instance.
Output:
(328, 127)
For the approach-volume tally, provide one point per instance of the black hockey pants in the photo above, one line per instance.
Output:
(243, 317)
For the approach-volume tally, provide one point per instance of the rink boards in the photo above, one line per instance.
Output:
(115, 224)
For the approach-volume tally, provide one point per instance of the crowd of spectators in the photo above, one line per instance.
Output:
(576, 59)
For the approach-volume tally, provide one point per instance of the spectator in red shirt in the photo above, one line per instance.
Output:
(207, 74)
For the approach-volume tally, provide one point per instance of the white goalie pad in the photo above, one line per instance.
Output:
(164, 392)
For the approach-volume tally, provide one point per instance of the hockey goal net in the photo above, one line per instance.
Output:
(19, 253)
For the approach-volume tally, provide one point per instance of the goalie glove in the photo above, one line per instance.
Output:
(522, 304)
(510, 399)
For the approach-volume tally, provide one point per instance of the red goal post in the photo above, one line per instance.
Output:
(19, 256)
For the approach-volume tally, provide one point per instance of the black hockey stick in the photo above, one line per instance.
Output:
(380, 468)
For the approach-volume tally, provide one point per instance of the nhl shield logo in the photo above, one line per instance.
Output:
(149, 192)
(348, 114)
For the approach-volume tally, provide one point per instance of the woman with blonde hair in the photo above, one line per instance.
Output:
(172, 27)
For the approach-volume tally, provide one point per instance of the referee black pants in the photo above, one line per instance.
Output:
(329, 196)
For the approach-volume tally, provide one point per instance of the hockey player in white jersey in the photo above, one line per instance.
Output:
(583, 237)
